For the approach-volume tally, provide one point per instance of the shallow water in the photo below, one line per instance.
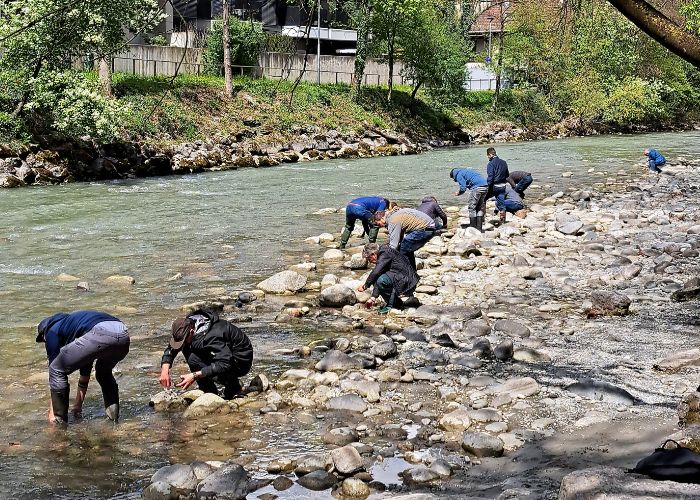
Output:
(224, 232)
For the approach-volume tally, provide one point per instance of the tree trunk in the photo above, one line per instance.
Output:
(413, 98)
(105, 76)
(390, 47)
(20, 106)
(499, 63)
(228, 77)
(661, 28)
(363, 31)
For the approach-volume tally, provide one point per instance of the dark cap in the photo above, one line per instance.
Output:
(181, 327)
(452, 173)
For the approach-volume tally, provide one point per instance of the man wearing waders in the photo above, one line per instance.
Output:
(363, 209)
(75, 341)
(472, 181)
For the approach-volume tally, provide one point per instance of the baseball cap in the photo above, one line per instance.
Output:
(181, 327)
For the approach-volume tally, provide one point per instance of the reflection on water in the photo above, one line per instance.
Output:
(222, 232)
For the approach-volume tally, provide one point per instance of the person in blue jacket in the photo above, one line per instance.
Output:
(74, 341)
(363, 209)
(656, 160)
(474, 182)
(496, 174)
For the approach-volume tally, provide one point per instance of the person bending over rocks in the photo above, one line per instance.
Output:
(393, 275)
(215, 349)
(520, 181)
(363, 209)
(509, 201)
(496, 174)
(430, 206)
(74, 341)
(474, 182)
(655, 160)
(409, 230)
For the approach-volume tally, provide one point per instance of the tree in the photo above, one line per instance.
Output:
(226, 40)
(360, 13)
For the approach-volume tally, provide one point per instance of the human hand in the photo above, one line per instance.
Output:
(361, 288)
(165, 376)
(457, 193)
(370, 303)
(185, 381)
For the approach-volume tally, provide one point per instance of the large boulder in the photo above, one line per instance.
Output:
(384, 350)
(348, 402)
(228, 483)
(335, 360)
(605, 303)
(568, 224)
(167, 401)
(599, 483)
(482, 444)
(318, 480)
(512, 328)
(283, 282)
(180, 477)
(207, 404)
(457, 420)
(347, 460)
(337, 296)
(601, 391)
(690, 291)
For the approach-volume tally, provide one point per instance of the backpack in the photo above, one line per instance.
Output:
(675, 464)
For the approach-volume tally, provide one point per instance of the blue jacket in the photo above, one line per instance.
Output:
(496, 172)
(467, 179)
(61, 329)
(370, 203)
(657, 157)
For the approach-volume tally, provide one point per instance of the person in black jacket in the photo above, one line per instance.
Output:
(430, 206)
(496, 174)
(215, 349)
(393, 275)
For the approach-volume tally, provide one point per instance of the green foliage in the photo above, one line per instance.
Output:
(246, 41)
(159, 40)
(526, 106)
(691, 11)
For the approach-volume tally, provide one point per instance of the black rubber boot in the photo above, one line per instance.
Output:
(344, 237)
(472, 221)
(112, 412)
(373, 233)
(480, 223)
(59, 403)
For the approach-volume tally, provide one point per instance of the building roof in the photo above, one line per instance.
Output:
(491, 15)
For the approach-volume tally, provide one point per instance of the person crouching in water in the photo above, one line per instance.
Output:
(363, 209)
(474, 182)
(74, 341)
(509, 201)
(655, 161)
(430, 206)
(393, 275)
(215, 349)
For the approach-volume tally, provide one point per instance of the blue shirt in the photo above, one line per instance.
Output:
(61, 329)
(657, 157)
(496, 171)
(370, 203)
(468, 179)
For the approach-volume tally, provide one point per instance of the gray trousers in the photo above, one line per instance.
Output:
(477, 201)
(105, 346)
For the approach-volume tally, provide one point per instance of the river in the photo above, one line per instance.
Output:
(223, 232)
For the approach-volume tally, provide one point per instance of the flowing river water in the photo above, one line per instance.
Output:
(223, 232)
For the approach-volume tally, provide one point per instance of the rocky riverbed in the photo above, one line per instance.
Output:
(549, 353)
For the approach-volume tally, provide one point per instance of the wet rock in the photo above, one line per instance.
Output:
(159, 491)
(231, 482)
(445, 340)
(568, 224)
(304, 267)
(482, 444)
(340, 436)
(333, 255)
(335, 360)
(601, 391)
(66, 277)
(317, 480)
(611, 482)
(337, 296)
(207, 404)
(467, 360)
(442, 467)
(420, 474)
(690, 291)
(504, 350)
(10, 181)
(246, 297)
(357, 261)
(355, 488)
(282, 483)
(120, 280)
(512, 328)
(83, 286)
(605, 303)
(348, 402)
(482, 348)
(414, 333)
(259, 383)
(456, 421)
(678, 360)
(202, 469)
(384, 350)
(689, 409)
(167, 401)
(347, 460)
(181, 477)
(283, 282)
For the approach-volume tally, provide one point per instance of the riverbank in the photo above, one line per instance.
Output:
(543, 346)
(188, 127)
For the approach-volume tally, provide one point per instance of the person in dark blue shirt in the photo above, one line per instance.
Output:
(74, 341)
(496, 174)
(363, 209)
(474, 182)
(656, 160)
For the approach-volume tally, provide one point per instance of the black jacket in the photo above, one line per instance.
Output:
(224, 348)
(433, 209)
(516, 177)
(496, 173)
(399, 269)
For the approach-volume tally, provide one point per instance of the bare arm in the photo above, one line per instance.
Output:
(80, 395)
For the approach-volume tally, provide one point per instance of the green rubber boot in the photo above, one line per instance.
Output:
(480, 223)
(59, 403)
(373, 233)
(345, 237)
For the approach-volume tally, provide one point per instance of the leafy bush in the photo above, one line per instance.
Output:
(634, 101)
(246, 41)
(526, 106)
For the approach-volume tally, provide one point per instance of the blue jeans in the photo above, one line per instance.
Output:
(498, 190)
(413, 241)
(505, 205)
(385, 285)
(522, 185)
(654, 167)
(355, 212)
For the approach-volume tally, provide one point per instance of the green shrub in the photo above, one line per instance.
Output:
(634, 101)
(525, 106)
(246, 41)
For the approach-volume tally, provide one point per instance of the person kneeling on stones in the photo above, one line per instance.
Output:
(474, 182)
(408, 229)
(363, 209)
(393, 275)
(215, 349)
(430, 206)
(519, 181)
(74, 341)
(509, 201)
(656, 160)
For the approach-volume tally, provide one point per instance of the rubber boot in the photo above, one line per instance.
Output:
(373, 233)
(502, 216)
(480, 223)
(112, 412)
(344, 237)
(472, 221)
(59, 403)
